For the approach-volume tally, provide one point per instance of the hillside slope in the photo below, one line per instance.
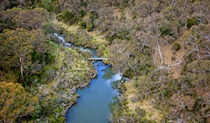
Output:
(162, 47)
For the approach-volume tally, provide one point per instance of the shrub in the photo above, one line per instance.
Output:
(49, 58)
(165, 31)
(82, 13)
(176, 47)
(192, 21)
(90, 27)
(67, 17)
(46, 4)
(15, 102)
(173, 58)
(83, 3)
(93, 15)
(82, 24)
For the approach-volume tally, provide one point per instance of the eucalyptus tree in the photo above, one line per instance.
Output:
(18, 46)
(16, 103)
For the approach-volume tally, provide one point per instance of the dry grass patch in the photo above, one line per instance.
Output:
(147, 105)
(171, 58)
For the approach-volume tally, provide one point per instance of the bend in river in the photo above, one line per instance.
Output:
(93, 104)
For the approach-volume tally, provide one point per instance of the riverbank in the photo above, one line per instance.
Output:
(81, 37)
(162, 46)
(93, 106)
(71, 70)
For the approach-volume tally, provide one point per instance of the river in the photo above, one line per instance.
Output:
(93, 104)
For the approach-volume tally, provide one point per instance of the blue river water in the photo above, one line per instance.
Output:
(93, 104)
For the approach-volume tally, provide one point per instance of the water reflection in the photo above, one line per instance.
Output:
(93, 106)
(95, 100)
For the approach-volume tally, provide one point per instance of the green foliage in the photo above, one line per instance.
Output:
(93, 15)
(6, 24)
(82, 24)
(10, 4)
(54, 119)
(83, 3)
(36, 56)
(167, 93)
(54, 44)
(111, 37)
(176, 47)
(165, 31)
(46, 4)
(17, 44)
(7, 19)
(28, 46)
(90, 27)
(49, 58)
(46, 58)
(192, 21)
(16, 103)
(50, 5)
(129, 73)
(48, 105)
(136, 31)
(32, 18)
(82, 13)
(115, 104)
(47, 74)
(122, 34)
(123, 4)
(51, 28)
(67, 17)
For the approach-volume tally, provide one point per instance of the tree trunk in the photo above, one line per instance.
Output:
(158, 49)
(185, 24)
(155, 57)
(21, 67)
(20, 59)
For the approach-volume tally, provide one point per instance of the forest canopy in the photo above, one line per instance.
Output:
(162, 47)
(16, 103)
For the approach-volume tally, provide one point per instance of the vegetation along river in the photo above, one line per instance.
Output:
(93, 104)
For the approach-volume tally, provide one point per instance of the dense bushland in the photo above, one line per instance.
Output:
(162, 46)
(38, 75)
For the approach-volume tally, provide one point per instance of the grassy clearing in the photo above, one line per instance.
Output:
(171, 57)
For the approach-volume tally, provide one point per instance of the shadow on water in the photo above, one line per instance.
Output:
(93, 106)
(97, 100)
